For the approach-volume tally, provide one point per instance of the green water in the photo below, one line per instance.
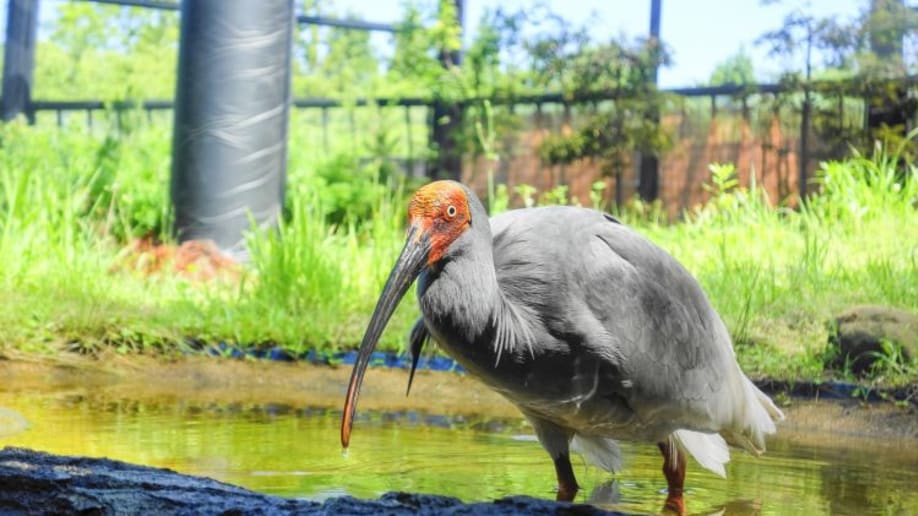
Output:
(294, 452)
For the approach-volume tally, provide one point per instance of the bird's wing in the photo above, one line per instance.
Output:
(593, 281)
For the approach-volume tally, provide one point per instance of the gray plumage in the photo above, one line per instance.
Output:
(594, 332)
(591, 330)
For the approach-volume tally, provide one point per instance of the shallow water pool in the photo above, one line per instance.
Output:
(293, 451)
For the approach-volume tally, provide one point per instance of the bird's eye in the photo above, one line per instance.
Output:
(451, 211)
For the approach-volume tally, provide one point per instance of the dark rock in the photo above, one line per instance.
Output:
(858, 334)
(36, 483)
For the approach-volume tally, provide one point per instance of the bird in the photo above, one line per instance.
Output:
(592, 331)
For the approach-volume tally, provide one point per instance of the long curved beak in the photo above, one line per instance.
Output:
(407, 268)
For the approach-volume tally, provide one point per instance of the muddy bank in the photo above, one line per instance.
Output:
(297, 384)
(212, 380)
(37, 483)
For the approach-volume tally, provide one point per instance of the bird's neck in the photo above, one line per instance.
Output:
(459, 295)
(469, 314)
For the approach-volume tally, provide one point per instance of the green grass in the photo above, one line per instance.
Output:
(69, 200)
(778, 276)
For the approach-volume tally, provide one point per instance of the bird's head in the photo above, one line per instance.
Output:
(438, 215)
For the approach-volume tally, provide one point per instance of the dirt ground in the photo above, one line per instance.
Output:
(212, 380)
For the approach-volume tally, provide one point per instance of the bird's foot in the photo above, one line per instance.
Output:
(566, 493)
(675, 504)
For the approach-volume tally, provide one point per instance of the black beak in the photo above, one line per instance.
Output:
(407, 268)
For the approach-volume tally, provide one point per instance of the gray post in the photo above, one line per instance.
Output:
(19, 59)
(649, 175)
(447, 119)
(802, 178)
(229, 152)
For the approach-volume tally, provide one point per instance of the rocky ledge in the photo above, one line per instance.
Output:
(36, 483)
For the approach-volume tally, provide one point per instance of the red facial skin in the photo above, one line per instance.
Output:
(441, 211)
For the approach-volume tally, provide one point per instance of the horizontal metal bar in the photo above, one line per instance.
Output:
(76, 105)
(547, 98)
(347, 24)
(149, 4)
(726, 89)
(303, 19)
(79, 105)
(330, 103)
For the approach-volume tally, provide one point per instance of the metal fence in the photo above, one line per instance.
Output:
(718, 120)
(713, 122)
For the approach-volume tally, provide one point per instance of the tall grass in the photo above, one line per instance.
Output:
(57, 239)
(777, 275)
(69, 201)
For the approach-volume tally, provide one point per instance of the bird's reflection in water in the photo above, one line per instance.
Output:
(609, 494)
(606, 493)
(734, 508)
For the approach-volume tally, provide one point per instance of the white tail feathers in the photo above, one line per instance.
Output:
(602, 452)
(710, 450)
(755, 420)
(774, 412)
(758, 420)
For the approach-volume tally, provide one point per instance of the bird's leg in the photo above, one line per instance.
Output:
(674, 471)
(567, 484)
(556, 441)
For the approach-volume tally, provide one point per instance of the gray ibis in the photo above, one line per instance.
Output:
(591, 330)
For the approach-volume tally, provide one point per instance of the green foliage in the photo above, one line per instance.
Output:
(526, 193)
(360, 74)
(892, 365)
(121, 192)
(612, 133)
(134, 203)
(414, 59)
(863, 189)
(313, 282)
(868, 53)
(70, 199)
(446, 32)
(773, 273)
(344, 191)
(736, 69)
(484, 130)
(597, 190)
(107, 52)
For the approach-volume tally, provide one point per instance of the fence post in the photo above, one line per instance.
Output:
(229, 150)
(19, 59)
(804, 144)
(649, 179)
(447, 119)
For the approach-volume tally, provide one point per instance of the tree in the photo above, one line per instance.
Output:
(621, 70)
(868, 50)
(736, 69)
(414, 62)
(873, 43)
